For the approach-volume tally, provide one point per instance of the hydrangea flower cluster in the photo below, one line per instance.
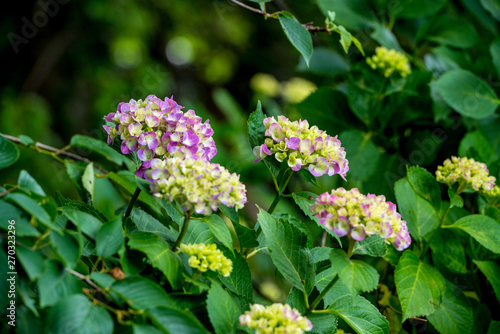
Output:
(389, 61)
(467, 172)
(350, 212)
(302, 147)
(197, 184)
(204, 257)
(275, 319)
(156, 128)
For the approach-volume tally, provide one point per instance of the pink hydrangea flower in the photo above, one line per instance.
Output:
(156, 128)
(350, 212)
(302, 147)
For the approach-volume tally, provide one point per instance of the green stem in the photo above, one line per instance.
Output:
(323, 293)
(131, 203)
(194, 278)
(187, 217)
(279, 195)
(274, 203)
(255, 251)
(352, 242)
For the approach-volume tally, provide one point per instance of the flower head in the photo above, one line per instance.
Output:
(350, 212)
(467, 172)
(198, 185)
(276, 318)
(389, 61)
(302, 147)
(156, 129)
(207, 257)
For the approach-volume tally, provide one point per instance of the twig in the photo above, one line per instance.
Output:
(47, 148)
(84, 278)
(307, 26)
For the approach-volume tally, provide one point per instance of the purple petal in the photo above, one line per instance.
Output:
(190, 138)
(145, 154)
(292, 143)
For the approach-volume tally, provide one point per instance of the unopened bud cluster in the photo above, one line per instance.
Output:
(207, 257)
(350, 212)
(275, 319)
(389, 61)
(302, 146)
(468, 172)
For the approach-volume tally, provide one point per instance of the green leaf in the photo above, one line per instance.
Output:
(219, 230)
(8, 153)
(222, 310)
(357, 276)
(494, 327)
(419, 214)
(324, 62)
(97, 146)
(102, 279)
(145, 329)
(425, 185)
(109, 238)
(373, 246)
(32, 262)
(88, 180)
(455, 314)
(455, 200)
(420, 287)
(142, 293)
(170, 320)
(240, 279)
(76, 314)
(452, 31)
(288, 252)
(230, 212)
(495, 54)
(26, 140)
(325, 323)
(475, 145)
(492, 6)
(158, 251)
(10, 212)
(491, 270)
(79, 206)
(467, 94)
(484, 229)
(362, 154)
(361, 315)
(411, 9)
(86, 222)
(55, 284)
(246, 236)
(297, 35)
(27, 182)
(198, 232)
(385, 37)
(327, 108)
(33, 208)
(66, 247)
(353, 14)
(256, 128)
(447, 250)
(147, 223)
